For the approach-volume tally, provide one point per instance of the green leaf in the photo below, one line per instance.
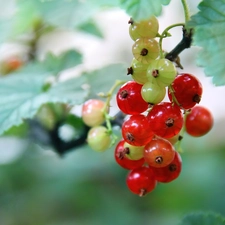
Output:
(143, 9)
(91, 28)
(103, 79)
(209, 34)
(21, 95)
(66, 60)
(203, 219)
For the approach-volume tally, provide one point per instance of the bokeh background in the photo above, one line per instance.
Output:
(38, 187)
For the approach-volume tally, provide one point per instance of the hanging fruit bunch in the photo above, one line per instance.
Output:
(153, 127)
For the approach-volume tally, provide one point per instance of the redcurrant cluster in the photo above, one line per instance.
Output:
(153, 126)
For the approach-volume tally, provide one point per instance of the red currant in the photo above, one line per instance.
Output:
(129, 98)
(199, 121)
(187, 90)
(141, 181)
(136, 130)
(159, 152)
(121, 158)
(166, 119)
(170, 172)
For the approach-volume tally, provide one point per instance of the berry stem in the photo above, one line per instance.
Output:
(183, 44)
(165, 34)
(107, 117)
(186, 10)
(178, 144)
(174, 99)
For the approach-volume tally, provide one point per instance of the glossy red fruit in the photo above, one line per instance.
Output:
(136, 130)
(129, 99)
(169, 173)
(199, 121)
(159, 152)
(187, 89)
(141, 181)
(166, 119)
(123, 161)
(92, 112)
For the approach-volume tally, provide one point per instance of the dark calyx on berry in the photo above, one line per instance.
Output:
(142, 192)
(123, 153)
(130, 71)
(155, 73)
(144, 52)
(131, 21)
(159, 159)
(197, 98)
(169, 122)
(130, 137)
(124, 94)
(172, 167)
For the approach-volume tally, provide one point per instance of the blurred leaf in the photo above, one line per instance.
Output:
(91, 28)
(5, 29)
(103, 79)
(20, 131)
(21, 95)
(143, 9)
(203, 219)
(209, 34)
(60, 13)
(66, 60)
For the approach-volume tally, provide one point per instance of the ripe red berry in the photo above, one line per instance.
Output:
(141, 181)
(121, 158)
(166, 119)
(199, 121)
(129, 98)
(136, 130)
(170, 172)
(159, 152)
(187, 89)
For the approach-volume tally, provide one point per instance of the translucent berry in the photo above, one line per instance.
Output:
(166, 119)
(134, 152)
(121, 158)
(129, 99)
(199, 121)
(161, 71)
(145, 50)
(153, 93)
(145, 28)
(141, 181)
(187, 90)
(92, 112)
(98, 138)
(170, 172)
(136, 130)
(159, 152)
(138, 71)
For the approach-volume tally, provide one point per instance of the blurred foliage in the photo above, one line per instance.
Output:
(42, 186)
(84, 187)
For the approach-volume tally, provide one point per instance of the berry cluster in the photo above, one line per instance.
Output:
(154, 126)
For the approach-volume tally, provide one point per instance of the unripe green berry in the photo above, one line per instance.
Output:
(98, 138)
